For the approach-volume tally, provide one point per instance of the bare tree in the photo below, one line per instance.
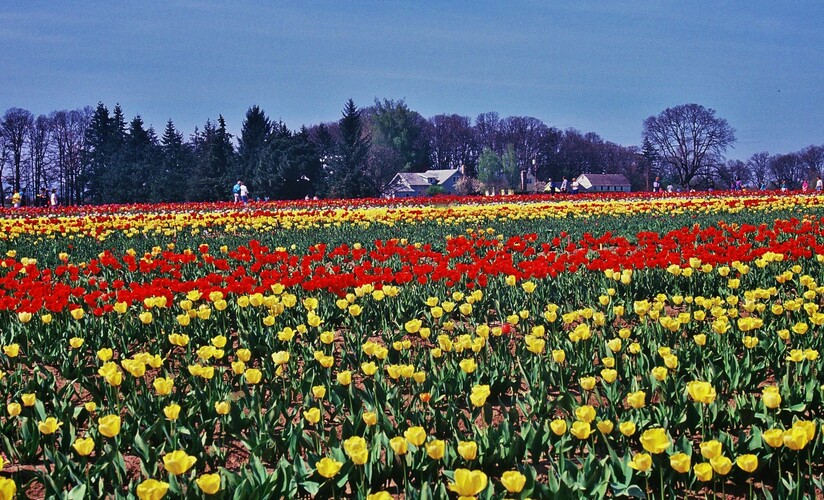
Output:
(14, 127)
(452, 142)
(4, 154)
(690, 139)
(759, 167)
(69, 138)
(39, 143)
(813, 159)
(788, 167)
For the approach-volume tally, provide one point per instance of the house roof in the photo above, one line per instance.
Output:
(422, 178)
(589, 180)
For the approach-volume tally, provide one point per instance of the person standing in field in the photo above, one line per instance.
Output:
(244, 193)
(574, 185)
(236, 191)
(564, 185)
(53, 199)
(819, 185)
(656, 185)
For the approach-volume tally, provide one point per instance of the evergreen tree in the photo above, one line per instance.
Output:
(297, 166)
(252, 147)
(175, 165)
(324, 146)
(99, 155)
(213, 156)
(348, 177)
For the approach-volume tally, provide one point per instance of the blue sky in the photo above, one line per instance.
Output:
(596, 66)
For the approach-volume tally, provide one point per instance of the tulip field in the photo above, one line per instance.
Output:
(639, 346)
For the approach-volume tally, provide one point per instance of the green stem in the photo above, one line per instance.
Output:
(661, 481)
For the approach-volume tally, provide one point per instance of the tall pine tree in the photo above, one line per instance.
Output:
(175, 165)
(251, 152)
(348, 177)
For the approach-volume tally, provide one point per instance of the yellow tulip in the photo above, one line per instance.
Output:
(796, 438)
(152, 489)
(253, 376)
(380, 495)
(479, 395)
(701, 392)
(49, 426)
(369, 368)
(13, 409)
(655, 440)
(280, 357)
(747, 463)
(580, 430)
(344, 378)
(605, 426)
(312, 415)
(558, 426)
(771, 396)
(172, 411)
(773, 437)
(75, 342)
(468, 450)
(357, 449)
(609, 375)
(28, 399)
(721, 465)
(328, 467)
(436, 449)
(83, 446)
(703, 472)
(637, 399)
(11, 350)
(710, 449)
(468, 365)
(627, 428)
(370, 418)
(585, 413)
(641, 462)
(415, 435)
(222, 407)
(513, 481)
(398, 445)
(660, 373)
(680, 462)
(468, 483)
(163, 385)
(109, 425)
(209, 483)
(178, 462)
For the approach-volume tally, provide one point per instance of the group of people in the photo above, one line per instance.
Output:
(565, 187)
(738, 185)
(42, 199)
(240, 193)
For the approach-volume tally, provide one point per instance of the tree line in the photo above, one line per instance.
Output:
(95, 155)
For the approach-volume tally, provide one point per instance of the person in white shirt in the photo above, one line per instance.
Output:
(53, 199)
(818, 184)
(244, 193)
